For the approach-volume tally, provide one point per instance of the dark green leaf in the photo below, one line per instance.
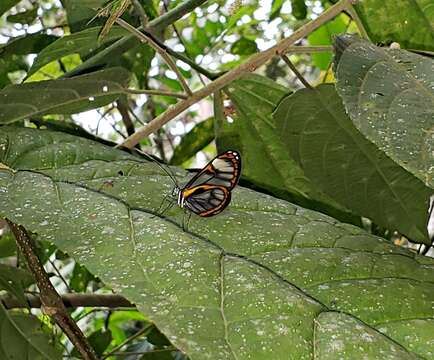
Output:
(26, 17)
(80, 278)
(266, 163)
(98, 340)
(65, 96)
(5, 5)
(15, 280)
(389, 95)
(250, 282)
(7, 245)
(319, 135)
(299, 9)
(408, 22)
(24, 45)
(23, 337)
(244, 46)
(192, 142)
(276, 6)
(83, 43)
(79, 13)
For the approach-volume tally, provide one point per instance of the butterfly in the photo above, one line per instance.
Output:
(209, 192)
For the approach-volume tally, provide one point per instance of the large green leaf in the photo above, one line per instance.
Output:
(389, 95)
(408, 22)
(64, 96)
(243, 285)
(80, 12)
(320, 136)
(23, 337)
(266, 163)
(83, 43)
(24, 45)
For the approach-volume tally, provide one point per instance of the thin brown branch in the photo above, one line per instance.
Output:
(70, 301)
(139, 8)
(296, 72)
(126, 341)
(358, 21)
(52, 304)
(250, 65)
(126, 119)
(307, 49)
(155, 92)
(154, 44)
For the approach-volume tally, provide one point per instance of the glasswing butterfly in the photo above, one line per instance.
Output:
(208, 192)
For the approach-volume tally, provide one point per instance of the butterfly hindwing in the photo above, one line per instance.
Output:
(207, 200)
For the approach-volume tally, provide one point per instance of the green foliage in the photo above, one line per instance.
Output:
(24, 337)
(66, 96)
(265, 279)
(389, 95)
(192, 142)
(350, 169)
(274, 271)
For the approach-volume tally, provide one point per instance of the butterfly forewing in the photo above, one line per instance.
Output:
(209, 192)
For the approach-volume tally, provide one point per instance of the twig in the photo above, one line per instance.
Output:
(126, 119)
(357, 20)
(307, 49)
(155, 92)
(250, 65)
(59, 274)
(125, 43)
(71, 301)
(139, 8)
(148, 38)
(52, 304)
(127, 353)
(126, 341)
(296, 72)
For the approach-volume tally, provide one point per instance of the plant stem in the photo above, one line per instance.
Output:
(52, 303)
(125, 43)
(250, 65)
(161, 50)
(155, 92)
(70, 301)
(296, 72)
(126, 341)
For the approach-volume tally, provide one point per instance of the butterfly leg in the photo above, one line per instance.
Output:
(186, 219)
(161, 206)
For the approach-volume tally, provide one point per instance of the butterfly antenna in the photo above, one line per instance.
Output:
(168, 171)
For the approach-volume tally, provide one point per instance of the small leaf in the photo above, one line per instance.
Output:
(98, 340)
(276, 6)
(323, 36)
(28, 44)
(24, 337)
(15, 280)
(26, 17)
(7, 244)
(64, 96)
(80, 278)
(299, 9)
(389, 96)
(192, 142)
(322, 139)
(244, 46)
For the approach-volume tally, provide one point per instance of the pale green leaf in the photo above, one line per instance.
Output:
(389, 95)
(245, 284)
